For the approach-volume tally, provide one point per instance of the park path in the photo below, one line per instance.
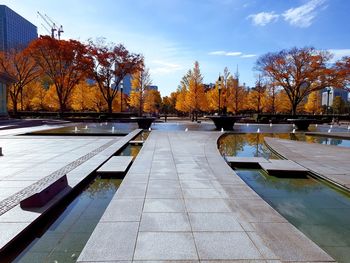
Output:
(181, 201)
(328, 161)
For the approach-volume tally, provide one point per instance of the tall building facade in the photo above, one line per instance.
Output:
(328, 98)
(15, 30)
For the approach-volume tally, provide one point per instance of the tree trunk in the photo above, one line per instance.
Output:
(110, 106)
(294, 109)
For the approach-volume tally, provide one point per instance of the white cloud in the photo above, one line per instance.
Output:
(339, 53)
(303, 15)
(248, 56)
(162, 67)
(217, 53)
(233, 54)
(263, 18)
(225, 53)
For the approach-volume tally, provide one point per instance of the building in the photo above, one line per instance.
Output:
(15, 31)
(126, 84)
(327, 99)
(152, 87)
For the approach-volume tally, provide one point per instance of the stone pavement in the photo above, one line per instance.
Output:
(30, 164)
(181, 201)
(328, 161)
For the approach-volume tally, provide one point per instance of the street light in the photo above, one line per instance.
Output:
(219, 89)
(121, 98)
(328, 89)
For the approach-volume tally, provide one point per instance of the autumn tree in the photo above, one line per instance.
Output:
(111, 63)
(338, 105)
(83, 97)
(181, 103)
(64, 62)
(152, 101)
(257, 96)
(169, 103)
(271, 100)
(18, 64)
(195, 97)
(225, 90)
(313, 104)
(299, 71)
(141, 80)
(238, 95)
(343, 72)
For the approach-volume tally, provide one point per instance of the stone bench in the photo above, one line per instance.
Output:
(42, 197)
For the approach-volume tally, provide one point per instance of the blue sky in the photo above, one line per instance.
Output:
(172, 34)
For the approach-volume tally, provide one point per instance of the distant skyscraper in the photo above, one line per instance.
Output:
(15, 31)
(126, 84)
(332, 94)
(152, 87)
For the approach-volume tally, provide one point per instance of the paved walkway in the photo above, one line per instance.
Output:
(181, 201)
(30, 164)
(328, 161)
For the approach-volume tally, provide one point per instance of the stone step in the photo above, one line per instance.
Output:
(115, 166)
(283, 168)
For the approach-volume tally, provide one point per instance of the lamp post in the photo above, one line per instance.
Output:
(219, 89)
(121, 98)
(328, 91)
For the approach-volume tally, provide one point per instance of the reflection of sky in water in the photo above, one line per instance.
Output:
(319, 211)
(252, 145)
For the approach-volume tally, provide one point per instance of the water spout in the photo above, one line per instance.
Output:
(186, 129)
(258, 130)
(329, 130)
(331, 126)
(86, 127)
(293, 131)
(149, 129)
(222, 129)
(247, 124)
(75, 129)
(270, 124)
(113, 129)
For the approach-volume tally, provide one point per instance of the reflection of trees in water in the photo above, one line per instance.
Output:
(231, 144)
(263, 182)
(102, 187)
(324, 140)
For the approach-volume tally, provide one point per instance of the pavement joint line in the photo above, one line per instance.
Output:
(15, 199)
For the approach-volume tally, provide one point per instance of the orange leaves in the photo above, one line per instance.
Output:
(299, 71)
(64, 62)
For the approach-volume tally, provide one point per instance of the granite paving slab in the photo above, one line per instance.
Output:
(280, 166)
(196, 208)
(233, 159)
(115, 165)
(328, 161)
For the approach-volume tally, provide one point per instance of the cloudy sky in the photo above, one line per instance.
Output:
(172, 34)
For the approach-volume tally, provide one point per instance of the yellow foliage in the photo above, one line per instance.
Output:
(152, 102)
(313, 104)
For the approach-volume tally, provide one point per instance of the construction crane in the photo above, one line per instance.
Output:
(52, 25)
(59, 29)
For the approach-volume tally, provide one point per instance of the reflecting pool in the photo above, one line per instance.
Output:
(66, 237)
(318, 209)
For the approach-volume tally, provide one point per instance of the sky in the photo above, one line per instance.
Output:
(173, 34)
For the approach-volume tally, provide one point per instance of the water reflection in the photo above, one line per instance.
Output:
(320, 211)
(68, 234)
